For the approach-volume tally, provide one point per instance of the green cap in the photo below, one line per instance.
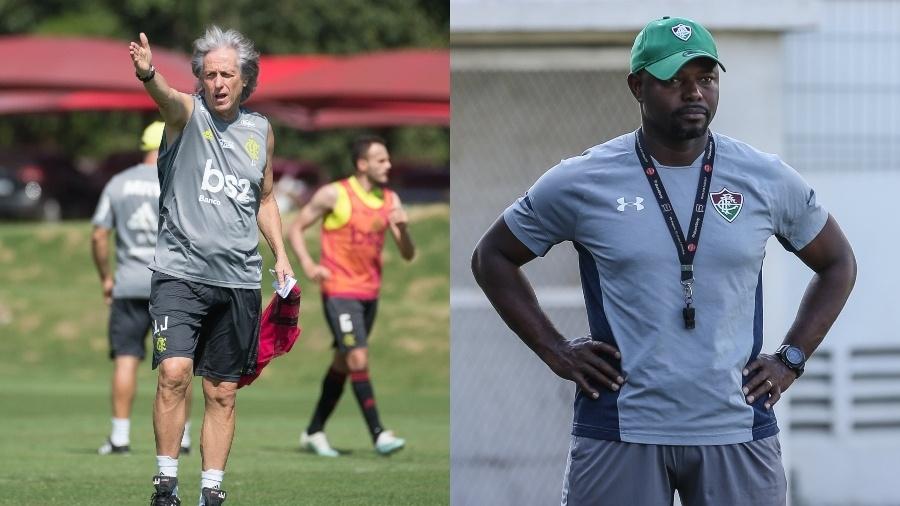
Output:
(664, 45)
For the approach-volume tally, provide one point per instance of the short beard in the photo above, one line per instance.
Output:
(681, 133)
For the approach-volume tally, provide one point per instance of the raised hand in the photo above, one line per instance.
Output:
(141, 55)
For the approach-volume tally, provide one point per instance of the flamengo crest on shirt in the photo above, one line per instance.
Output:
(727, 203)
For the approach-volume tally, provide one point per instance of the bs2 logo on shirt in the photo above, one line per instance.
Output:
(214, 181)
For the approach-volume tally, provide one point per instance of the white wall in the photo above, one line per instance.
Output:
(605, 16)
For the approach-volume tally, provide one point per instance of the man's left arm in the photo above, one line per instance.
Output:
(400, 231)
(830, 256)
(269, 219)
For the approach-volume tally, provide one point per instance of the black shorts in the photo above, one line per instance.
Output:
(129, 322)
(350, 321)
(217, 327)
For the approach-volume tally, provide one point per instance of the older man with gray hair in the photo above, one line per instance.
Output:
(215, 173)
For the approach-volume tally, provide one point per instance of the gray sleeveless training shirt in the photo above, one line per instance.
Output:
(130, 206)
(211, 178)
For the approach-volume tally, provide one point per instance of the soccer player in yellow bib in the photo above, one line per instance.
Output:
(356, 212)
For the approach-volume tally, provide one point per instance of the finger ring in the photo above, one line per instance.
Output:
(771, 385)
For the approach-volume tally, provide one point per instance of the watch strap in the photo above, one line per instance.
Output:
(148, 77)
(782, 351)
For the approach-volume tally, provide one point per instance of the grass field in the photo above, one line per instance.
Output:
(54, 388)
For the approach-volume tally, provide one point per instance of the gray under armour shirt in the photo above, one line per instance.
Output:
(211, 179)
(129, 205)
(683, 386)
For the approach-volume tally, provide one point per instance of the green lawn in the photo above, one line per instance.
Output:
(54, 390)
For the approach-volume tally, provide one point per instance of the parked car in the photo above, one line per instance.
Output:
(23, 197)
(64, 191)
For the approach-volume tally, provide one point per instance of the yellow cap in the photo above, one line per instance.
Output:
(152, 136)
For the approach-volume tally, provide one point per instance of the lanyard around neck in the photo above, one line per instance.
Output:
(686, 245)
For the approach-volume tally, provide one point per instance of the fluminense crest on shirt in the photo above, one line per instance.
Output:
(727, 203)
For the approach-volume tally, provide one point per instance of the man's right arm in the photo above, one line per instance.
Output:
(496, 265)
(321, 203)
(100, 253)
(175, 107)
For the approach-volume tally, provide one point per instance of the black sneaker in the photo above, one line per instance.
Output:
(165, 491)
(212, 496)
(185, 450)
(108, 448)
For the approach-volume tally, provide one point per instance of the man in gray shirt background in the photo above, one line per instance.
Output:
(215, 173)
(129, 205)
(673, 390)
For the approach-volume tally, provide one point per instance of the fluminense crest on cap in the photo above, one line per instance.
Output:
(666, 44)
(682, 31)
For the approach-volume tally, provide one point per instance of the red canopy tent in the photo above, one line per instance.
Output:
(408, 75)
(37, 101)
(408, 87)
(73, 63)
(377, 114)
(42, 74)
(296, 116)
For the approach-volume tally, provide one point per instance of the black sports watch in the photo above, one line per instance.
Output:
(148, 77)
(793, 357)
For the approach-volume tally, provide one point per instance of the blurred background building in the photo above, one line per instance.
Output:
(534, 81)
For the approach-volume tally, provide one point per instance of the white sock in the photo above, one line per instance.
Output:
(211, 478)
(121, 428)
(186, 437)
(167, 465)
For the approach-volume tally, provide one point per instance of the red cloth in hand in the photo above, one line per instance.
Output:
(278, 331)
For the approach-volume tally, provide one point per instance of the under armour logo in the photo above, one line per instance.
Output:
(638, 204)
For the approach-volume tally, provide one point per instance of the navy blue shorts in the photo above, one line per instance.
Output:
(350, 321)
(217, 327)
(129, 323)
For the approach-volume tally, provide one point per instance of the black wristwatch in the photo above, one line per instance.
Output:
(149, 76)
(793, 357)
